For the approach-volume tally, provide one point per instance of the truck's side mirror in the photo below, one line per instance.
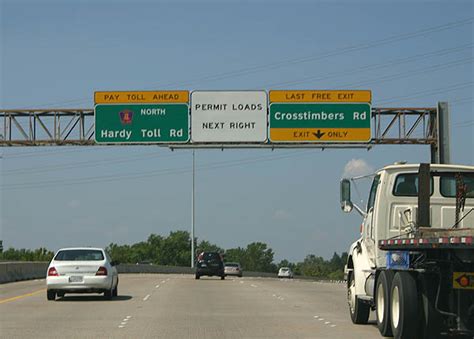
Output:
(346, 203)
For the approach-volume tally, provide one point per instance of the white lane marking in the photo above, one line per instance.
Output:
(333, 325)
(274, 295)
(146, 298)
(253, 285)
(129, 316)
(316, 316)
(125, 319)
(123, 323)
(163, 281)
(327, 322)
(321, 319)
(157, 286)
(241, 282)
(121, 326)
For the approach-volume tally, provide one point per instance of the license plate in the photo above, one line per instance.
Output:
(75, 279)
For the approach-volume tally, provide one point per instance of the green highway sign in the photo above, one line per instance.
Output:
(141, 123)
(320, 122)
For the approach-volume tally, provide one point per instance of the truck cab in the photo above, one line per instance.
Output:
(393, 212)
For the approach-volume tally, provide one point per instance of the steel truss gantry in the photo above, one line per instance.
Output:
(390, 126)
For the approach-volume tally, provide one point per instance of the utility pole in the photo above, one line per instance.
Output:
(192, 216)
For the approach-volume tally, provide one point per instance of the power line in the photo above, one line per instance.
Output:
(410, 73)
(155, 173)
(427, 92)
(309, 58)
(88, 163)
(371, 67)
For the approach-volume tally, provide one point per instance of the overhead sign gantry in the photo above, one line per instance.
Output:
(295, 119)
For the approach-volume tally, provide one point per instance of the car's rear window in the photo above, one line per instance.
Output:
(210, 256)
(79, 255)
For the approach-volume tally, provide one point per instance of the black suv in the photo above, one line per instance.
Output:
(210, 263)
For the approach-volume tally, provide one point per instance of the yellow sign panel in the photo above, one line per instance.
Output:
(463, 280)
(321, 96)
(320, 134)
(143, 97)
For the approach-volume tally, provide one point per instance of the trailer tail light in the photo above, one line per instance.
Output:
(101, 271)
(52, 272)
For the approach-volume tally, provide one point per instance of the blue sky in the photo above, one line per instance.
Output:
(57, 53)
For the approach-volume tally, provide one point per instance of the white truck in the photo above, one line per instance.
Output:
(414, 261)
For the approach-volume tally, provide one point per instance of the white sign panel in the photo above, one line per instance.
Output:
(234, 116)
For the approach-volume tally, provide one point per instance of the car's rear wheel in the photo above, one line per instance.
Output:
(108, 294)
(115, 291)
(222, 277)
(51, 295)
(197, 276)
(61, 294)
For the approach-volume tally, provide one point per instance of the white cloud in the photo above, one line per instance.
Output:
(281, 214)
(357, 167)
(74, 204)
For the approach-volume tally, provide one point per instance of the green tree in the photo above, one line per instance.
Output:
(258, 257)
(236, 255)
(176, 249)
(206, 246)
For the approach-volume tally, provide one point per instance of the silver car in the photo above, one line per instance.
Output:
(81, 270)
(232, 268)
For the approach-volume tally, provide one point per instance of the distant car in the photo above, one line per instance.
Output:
(232, 268)
(285, 272)
(210, 264)
(81, 270)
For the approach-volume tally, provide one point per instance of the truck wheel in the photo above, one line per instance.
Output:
(404, 306)
(358, 309)
(382, 302)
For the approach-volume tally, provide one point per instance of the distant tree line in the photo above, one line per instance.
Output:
(174, 250)
(40, 254)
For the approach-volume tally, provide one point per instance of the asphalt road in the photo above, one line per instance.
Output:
(178, 306)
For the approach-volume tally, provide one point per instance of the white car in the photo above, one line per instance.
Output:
(285, 272)
(81, 270)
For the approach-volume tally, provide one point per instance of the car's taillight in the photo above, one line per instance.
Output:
(52, 272)
(101, 271)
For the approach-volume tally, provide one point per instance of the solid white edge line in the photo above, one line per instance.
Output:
(146, 298)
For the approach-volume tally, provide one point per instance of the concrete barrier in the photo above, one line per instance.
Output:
(16, 271)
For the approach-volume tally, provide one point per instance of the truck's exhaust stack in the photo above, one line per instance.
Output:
(423, 217)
